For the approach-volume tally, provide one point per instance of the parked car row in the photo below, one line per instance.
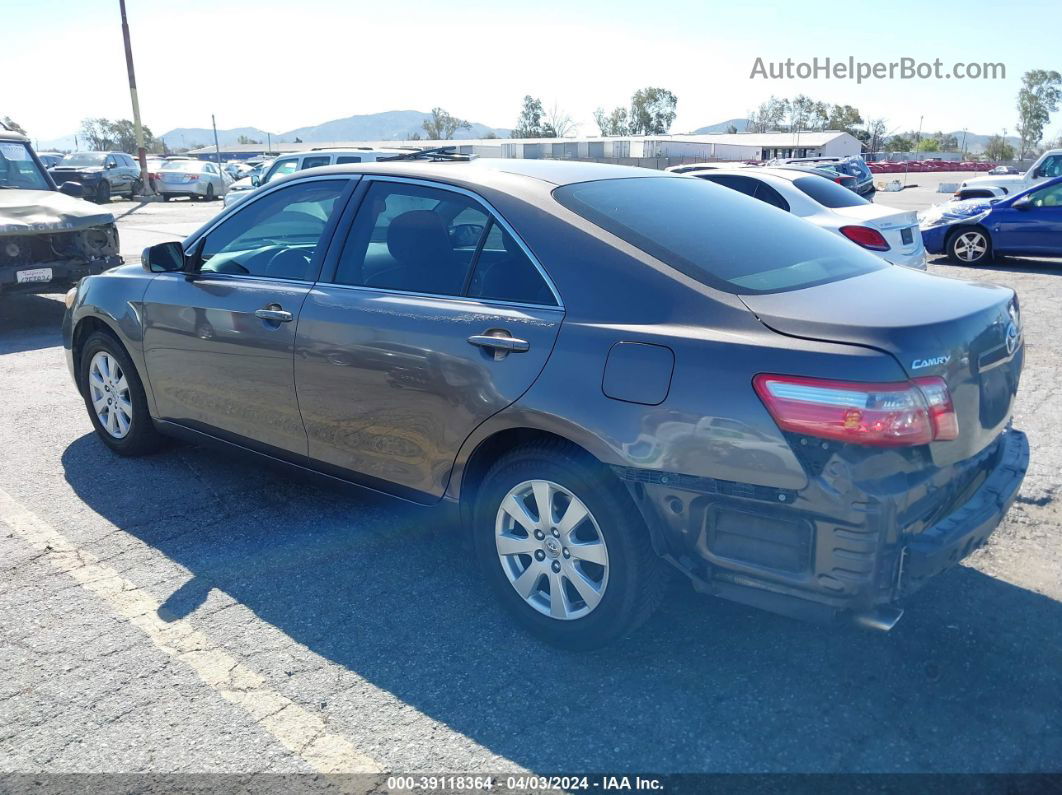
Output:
(920, 166)
(608, 373)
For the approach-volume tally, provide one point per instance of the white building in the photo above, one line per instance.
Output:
(721, 146)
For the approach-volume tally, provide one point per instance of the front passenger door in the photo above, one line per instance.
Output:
(219, 343)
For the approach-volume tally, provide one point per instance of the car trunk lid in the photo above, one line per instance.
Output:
(898, 227)
(966, 332)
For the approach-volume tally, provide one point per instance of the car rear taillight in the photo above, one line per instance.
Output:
(865, 237)
(878, 414)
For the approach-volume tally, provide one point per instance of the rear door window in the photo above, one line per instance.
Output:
(727, 241)
(348, 159)
(412, 238)
(504, 272)
(316, 160)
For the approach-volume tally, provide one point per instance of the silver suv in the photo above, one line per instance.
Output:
(289, 164)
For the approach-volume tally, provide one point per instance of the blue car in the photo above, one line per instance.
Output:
(971, 231)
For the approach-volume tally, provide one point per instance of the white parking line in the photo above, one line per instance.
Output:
(298, 729)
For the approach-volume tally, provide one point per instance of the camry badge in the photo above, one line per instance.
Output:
(1012, 337)
(918, 364)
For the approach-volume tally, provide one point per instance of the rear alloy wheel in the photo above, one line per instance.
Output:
(564, 547)
(103, 192)
(114, 396)
(969, 247)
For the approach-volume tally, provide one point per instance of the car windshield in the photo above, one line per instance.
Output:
(18, 169)
(719, 237)
(828, 193)
(84, 159)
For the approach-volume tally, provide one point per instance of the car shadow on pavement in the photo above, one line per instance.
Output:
(968, 681)
(29, 322)
(1047, 267)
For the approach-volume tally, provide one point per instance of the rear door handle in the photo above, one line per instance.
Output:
(274, 315)
(500, 344)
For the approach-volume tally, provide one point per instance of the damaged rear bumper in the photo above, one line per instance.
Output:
(785, 551)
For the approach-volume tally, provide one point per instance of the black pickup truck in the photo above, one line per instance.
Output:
(49, 238)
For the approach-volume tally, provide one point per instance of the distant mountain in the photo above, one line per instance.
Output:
(392, 125)
(193, 137)
(740, 124)
(976, 143)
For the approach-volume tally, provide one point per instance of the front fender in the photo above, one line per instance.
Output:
(112, 300)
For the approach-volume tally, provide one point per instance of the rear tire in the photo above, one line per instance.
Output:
(970, 246)
(114, 397)
(582, 584)
(137, 189)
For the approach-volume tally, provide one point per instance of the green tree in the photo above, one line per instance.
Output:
(104, 135)
(245, 140)
(442, 126)
(800, 113)
(845, 118)
(12, 125)
(928, 144)
(1037, 100)
(731, 129)
(769, 116)
(652, 111)
(530, 123)
(614, 123)
(998, 149)
(899, 143)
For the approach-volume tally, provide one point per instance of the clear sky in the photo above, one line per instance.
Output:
(277, 65)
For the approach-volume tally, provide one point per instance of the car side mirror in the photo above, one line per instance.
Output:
(256, 180)
(72, 189)
(163, 258)
(1024, 203)
(112, 165)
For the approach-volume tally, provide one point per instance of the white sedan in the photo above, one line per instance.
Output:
(197, 179)
(890, 233)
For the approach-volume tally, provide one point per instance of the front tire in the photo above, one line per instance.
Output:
(209, 193)
(563, 547)
(103, 192)
(114, 397)
(969, 246)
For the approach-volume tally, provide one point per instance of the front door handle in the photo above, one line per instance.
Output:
(499, 343)
(274, 315)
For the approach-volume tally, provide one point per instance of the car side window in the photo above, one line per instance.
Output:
(1047, 197)
(348, 159)
(275, 236)
(210, 168)
(412, 238)
(741, 184)
(315, 161)
(110, 163)
(1052, 167)
(282, 167)
(504, 272)
(765, 193)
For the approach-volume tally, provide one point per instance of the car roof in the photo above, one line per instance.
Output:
(493, 171)
(11, 135)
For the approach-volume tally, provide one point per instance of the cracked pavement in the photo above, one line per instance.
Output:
(366, 615)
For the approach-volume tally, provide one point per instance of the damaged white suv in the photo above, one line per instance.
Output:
(49, 238)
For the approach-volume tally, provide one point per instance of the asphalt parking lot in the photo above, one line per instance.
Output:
(192, 613)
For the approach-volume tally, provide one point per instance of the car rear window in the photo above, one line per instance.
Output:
(715, 235)
(828, 193)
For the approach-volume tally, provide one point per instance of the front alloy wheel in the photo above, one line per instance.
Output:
(970, 246)
(551, 549)
(109, 393)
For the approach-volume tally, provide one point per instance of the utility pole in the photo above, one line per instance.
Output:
(217, 149)
(137, 127)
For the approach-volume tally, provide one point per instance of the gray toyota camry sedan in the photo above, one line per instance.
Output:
(611, 373)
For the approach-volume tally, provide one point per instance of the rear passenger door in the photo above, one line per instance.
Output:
(431, 317)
